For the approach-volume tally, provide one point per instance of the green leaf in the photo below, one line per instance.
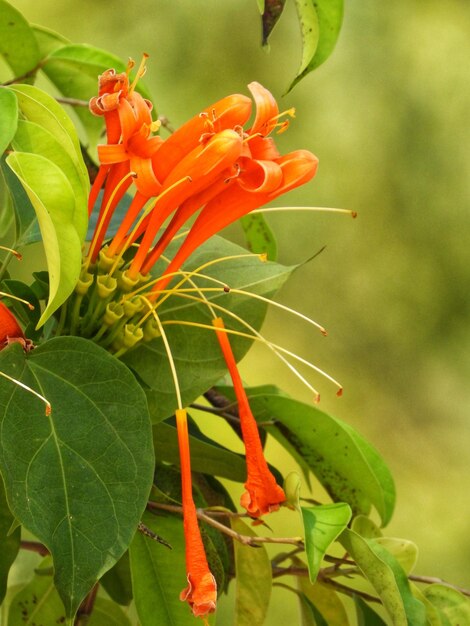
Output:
(349, 468)
(106, 613)
(389, 580)
(404, 551)
(207, 456)
(9, 543)
(27, 229)
(322, 524)
(38, 602)
(159, 575)
(259, 236)
(320, 22)
(17, 42)
(310, 614)
(117, 581)
(450, 603)
(74, 70)
(48, 40)
(253, 579)
(33, 138)
(8, 117)
(365, 615)
(79, 478)
(53, 199)
(325, 600)
(39, 107)
(196, 351)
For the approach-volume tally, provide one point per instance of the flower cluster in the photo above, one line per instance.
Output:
(210, 172)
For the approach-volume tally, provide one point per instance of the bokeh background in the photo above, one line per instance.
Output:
(388, 117)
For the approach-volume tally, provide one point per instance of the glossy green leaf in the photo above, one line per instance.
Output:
(74, 70)
(322, 525)
(33, 138)
(450, 603)
(27, 229)
(39, 107)
(48, 40)
(159, 574)
(8, 117)
(107, 613)
(310, 31)
(54, 203)
(389, 580)
(253, 579)
(196, 351)
(38, 602)
(365, 527)
(117, 581)
(79, 478)
(365, 615)
(434, 616)
(207, 456)
(346, 464)
(17, 42)
(259, 236)
(326, 601)
(403, 550)
(320, 22)
(9, 543)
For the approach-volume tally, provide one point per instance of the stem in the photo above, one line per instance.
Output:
(431, 580)
(205, 516)
(5, 262)
(28, 74)
(34, 546)
(75, 102)
(86, 607)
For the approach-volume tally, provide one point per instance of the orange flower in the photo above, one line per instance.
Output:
(263, 494)
(10, 330)
(201, 592)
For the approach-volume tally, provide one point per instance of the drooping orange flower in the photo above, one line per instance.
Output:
(201, 592)
(263, 495)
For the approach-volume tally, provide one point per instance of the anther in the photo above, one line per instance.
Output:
(226, 289)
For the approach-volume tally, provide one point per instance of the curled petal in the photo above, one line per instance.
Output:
(142, 145)
(260, 176)
(202, 596)
(145, 181)
(267, 110)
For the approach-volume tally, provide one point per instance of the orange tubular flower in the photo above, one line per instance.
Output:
(263, 494)
(201, 592)
(258, 176)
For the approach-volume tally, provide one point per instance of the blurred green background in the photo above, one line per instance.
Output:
(387, 116)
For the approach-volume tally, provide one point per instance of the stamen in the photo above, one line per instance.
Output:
(353, 214)
(9, 295)
(99, 226)
(257, 336)
(140, 72)
(23, 386)
(171, 361)
(11, 251)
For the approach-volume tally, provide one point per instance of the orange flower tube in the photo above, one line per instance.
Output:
(201, 592)
(263, 494)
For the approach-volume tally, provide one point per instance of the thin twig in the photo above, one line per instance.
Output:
(75, 102)
(246, 540)
(165, 122)
(28, 74)
(432, 580)
(215, 411)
